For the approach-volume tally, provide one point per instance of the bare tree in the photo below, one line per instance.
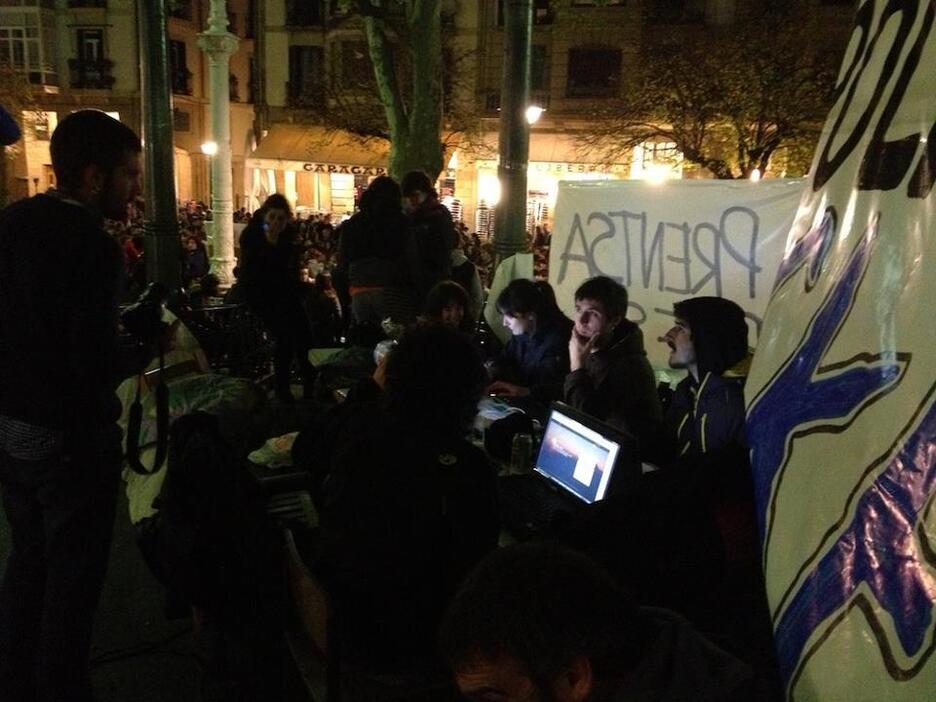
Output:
(407, 95)
(728, 101)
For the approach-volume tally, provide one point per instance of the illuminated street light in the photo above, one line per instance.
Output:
(755, 175)
(209, 148)
(533, 113)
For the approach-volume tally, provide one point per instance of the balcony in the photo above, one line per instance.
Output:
(91, 74)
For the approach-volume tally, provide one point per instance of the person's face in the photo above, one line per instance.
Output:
(505, 680)
(413, 200)
(275, 219)
(122, 187)
(452, 314)
(191, 244)
(679, 340)
(519, 324)
(496, 681)
(591, 319)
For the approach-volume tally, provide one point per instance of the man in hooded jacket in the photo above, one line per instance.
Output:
(705, 416)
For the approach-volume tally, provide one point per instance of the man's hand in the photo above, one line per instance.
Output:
(499, 387)
(579, 349)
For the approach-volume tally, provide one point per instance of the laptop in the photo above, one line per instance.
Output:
(580, 461)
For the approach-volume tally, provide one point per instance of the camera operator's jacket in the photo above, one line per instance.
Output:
(60, 277)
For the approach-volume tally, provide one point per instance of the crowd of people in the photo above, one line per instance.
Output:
(611, 603)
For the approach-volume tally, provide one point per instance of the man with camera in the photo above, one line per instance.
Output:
(60, 363)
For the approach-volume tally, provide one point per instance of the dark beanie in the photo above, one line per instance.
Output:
(719, 332)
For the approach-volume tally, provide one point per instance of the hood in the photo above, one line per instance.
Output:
(719, 332)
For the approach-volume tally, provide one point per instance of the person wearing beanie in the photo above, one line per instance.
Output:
(706, 413)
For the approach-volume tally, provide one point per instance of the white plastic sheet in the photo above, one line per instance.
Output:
(841, 411)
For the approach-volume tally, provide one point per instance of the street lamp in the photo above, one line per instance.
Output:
(210, 148)
(533, 113)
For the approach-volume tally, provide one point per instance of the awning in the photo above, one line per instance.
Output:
(311, 145)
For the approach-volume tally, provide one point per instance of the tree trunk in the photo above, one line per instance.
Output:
(415, 133)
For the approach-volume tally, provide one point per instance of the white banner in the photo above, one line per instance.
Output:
(841, 411)
(669, 241)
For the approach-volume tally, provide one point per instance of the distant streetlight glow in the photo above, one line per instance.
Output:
(657, 173)
(755, 175)
(533, 113)
(209, 148)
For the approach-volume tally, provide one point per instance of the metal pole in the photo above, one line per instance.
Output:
(514, 139)
(218, 44)
(161, 224)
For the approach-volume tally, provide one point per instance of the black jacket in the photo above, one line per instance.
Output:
(268, 273)
(403, 517)
(539, 361)
(372, 252)
(60, 280)
(434, 234)
(616, 385)
(706, 417)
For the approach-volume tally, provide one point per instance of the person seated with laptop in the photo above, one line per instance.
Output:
(611, 378)
(536, 359)
(537, 622)
(406, 505)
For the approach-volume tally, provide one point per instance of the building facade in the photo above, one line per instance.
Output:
(307, 50)
(78, 54)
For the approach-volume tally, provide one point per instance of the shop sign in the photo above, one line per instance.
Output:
(344, 168)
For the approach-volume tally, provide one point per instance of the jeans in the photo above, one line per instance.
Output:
(61, 515)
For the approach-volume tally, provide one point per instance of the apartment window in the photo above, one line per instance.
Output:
(181, 120)
(678, 11)
(182, 9)
(91, 69)
(304, 13)
(90, 44)
(542, 12)
(656, 160)
(593, 72)
(28, 47)
(306, 72)
(249, 20)
(354, 64)
(539, 67)
(179, 74)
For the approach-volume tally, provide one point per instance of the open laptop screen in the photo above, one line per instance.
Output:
(577, 453)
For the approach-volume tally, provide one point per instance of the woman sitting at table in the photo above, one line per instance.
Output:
(535, 361)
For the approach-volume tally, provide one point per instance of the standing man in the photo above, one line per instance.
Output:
(60, 446)
(433, 231)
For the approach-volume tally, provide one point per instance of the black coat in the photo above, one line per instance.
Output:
(60, 279)
(539, 361)
(434, 234)
(616, 385)
(403, 517)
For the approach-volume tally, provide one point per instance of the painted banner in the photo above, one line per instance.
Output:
(842, 393)
(668, 241)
